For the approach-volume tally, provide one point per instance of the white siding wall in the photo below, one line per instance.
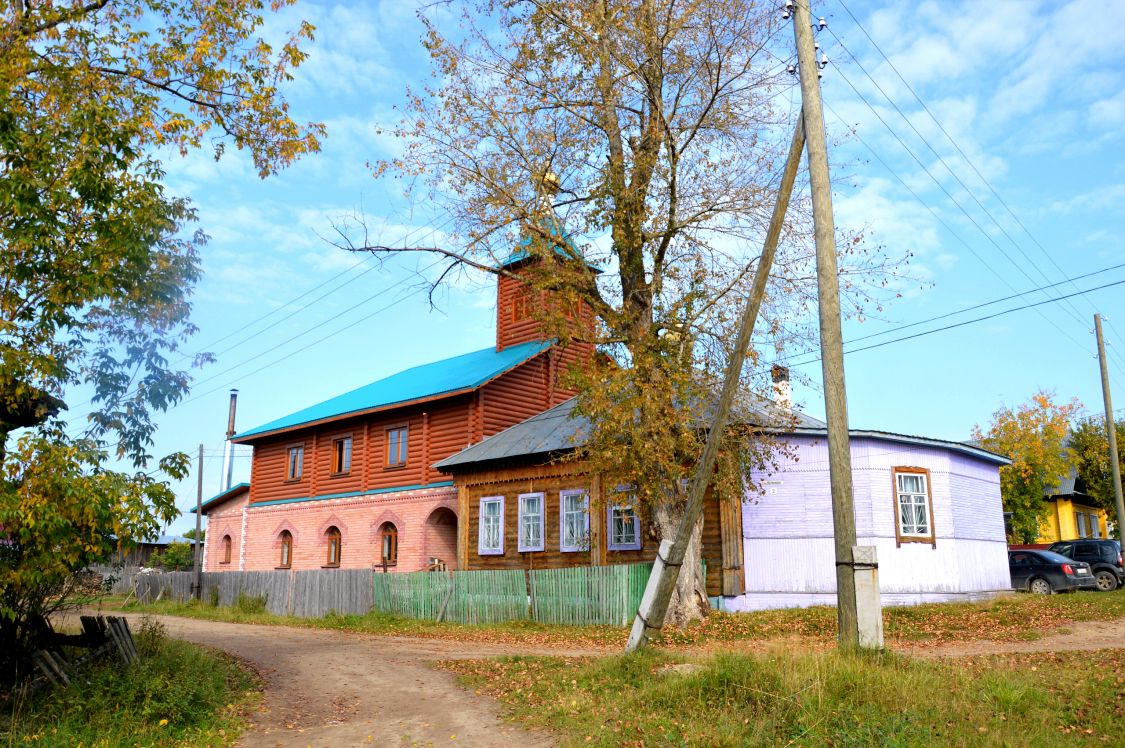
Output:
(788, 529)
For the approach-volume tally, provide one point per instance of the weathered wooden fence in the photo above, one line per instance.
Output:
(120, 578)
(305, 594)
(606, 595)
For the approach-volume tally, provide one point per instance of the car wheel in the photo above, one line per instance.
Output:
(1107, 581)
(1040, 587)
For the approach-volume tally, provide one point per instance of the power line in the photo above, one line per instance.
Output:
(988, 303)
(965, 322)
(952, 199)
(964, 156)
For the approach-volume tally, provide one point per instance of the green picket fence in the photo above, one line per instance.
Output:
(605, 595)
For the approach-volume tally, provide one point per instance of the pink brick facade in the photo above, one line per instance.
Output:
(425, 520)
(226, 520)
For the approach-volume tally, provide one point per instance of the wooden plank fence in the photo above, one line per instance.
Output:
(304, 594)
(597, 595)
(586, 595)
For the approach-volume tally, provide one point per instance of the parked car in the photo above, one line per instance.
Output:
(1103, 556)
(1044, 572)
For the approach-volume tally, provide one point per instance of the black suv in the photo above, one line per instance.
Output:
(1103, 556)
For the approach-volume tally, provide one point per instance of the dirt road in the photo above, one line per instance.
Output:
(329, 688)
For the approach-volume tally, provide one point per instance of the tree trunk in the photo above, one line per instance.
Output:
(689, 600)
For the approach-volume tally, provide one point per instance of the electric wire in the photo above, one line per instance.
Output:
(1116, 357)
(952, 199)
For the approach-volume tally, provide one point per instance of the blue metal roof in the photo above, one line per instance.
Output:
(222, 496)
(553, 226)
(453, 375)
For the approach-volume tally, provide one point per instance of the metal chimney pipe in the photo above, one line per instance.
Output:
(227, 476)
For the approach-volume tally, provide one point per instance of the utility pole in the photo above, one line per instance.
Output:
(197, 565)
(1110, 430)
(831, 341)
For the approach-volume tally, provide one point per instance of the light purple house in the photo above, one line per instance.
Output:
(931, 507)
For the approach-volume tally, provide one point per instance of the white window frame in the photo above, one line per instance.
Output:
(629, 504)
(925, 504)
(481, 548)
(582, 544)
(521, 545)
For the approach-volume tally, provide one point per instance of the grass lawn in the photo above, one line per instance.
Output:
(659, 698)
(177, 695)
(1011, 618)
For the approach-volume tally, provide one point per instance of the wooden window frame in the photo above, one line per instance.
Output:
(900, 537)
(286, 559)
(481, 549)
(333, 534)
(579, 547)
(289, 477)
(631, 506)
(405, 428)
(225, 546)
(542, 545)
(388, 530)
(521, 304)
(350, 453)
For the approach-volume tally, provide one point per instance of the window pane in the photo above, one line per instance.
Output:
(911, 483)
(573, 521)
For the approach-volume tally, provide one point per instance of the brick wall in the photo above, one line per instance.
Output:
(425, 520)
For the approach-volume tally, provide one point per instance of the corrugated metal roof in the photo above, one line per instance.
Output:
(919, 441)
(554, 226)
(558, 429)
(442, 378)
(222, 496)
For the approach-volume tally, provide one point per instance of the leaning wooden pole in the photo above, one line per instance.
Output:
(1110, 431)
(670, 557)
(831, 339)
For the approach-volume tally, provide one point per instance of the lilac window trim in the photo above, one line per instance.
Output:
(542, 522)
(564, 547)
(481, 550)
(610, 545)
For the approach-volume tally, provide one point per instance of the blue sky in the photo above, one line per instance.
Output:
(1031, 93)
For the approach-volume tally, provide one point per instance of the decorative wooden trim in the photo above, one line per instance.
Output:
(930, 539)
(577, 548)
(520, 547)
(462, 527)
(481, 551)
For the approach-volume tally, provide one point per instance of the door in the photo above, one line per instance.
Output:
(1020, 566)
